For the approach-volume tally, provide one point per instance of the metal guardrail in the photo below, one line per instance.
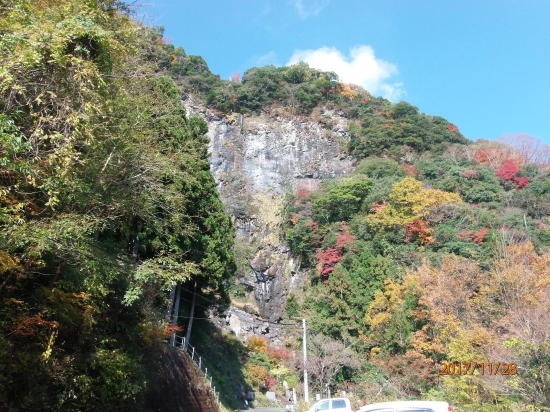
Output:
(179, 341)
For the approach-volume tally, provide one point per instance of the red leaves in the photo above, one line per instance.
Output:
(276, 355)
(411, 170)
(451, 127)
(388, 124)
(301, 193)
(270, 382)
(332, 255)
(328, 259)
(364, 100)
(477, 237)
(344, 239)
(509, 170)
(521, 182)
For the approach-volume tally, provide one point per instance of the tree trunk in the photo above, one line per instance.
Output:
(188, 335)
(170, 304)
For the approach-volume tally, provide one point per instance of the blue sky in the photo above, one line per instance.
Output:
(482, 64)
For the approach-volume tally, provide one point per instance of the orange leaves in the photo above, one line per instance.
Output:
(419, 229)
(169, 329)
(477, 237)
(257, 344)
(377, 207)
(256, 374)
(520, 278)
(235, 77)
(30, 325)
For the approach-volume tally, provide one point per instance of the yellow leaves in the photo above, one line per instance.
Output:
(8, 263)
(347, 90)
(150, 333)
(468, 345)
(385, 304)
(520, 278)
(409, 201)
(47, 353)
(31, 180)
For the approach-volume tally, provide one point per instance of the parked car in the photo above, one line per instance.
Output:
(332, 404)
(407, 406)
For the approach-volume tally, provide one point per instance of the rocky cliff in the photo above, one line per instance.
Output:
(256, 160)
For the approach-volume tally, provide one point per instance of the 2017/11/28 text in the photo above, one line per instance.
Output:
(485, 368)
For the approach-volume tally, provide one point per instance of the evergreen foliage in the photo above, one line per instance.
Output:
(106, 201)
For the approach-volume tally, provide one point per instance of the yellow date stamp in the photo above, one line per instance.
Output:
(484, 368)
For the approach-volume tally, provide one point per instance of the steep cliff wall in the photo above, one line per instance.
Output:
(256, 160)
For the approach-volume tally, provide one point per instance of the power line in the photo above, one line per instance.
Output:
(200, 296)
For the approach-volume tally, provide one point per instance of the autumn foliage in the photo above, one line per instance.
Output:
(419, 229)
(409, 201)
(257, 344)
(331, 256)
(235, 77)
(476, 237)
(508, 171)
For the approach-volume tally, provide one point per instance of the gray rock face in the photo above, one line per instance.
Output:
(274, 153)
(256, 161)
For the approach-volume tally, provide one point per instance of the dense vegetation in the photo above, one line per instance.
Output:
(378, 125)
(436, 259)
(434, 250)
(106, 202)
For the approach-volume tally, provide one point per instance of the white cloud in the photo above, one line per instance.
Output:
(267, 59)
(361, 68)
(307, 8)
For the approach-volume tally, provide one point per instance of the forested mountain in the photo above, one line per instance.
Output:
(421, 265)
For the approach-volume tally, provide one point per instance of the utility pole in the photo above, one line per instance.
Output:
(306, 395)
(188, 335)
